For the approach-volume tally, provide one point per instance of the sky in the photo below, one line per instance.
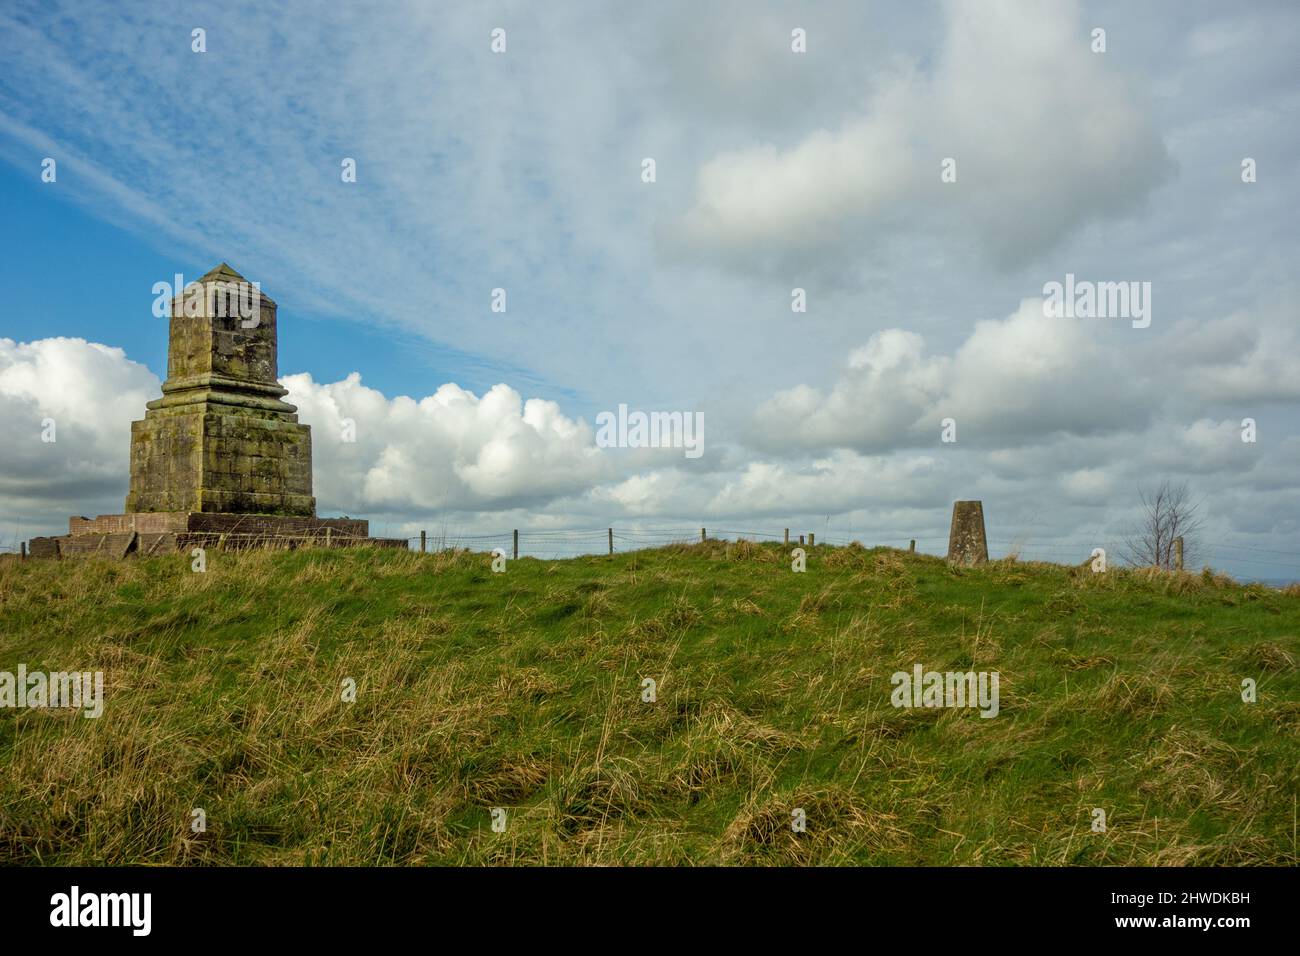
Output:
(920, 171)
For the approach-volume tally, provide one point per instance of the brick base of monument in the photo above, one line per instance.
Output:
(167, 532)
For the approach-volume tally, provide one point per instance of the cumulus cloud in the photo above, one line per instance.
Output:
(449, 450)
(841, 482)
(1252, 355)
(1011, 381)
(466, 462)
(1045, 134)
(449, 453)
(890, 384)
(452, 451)
(88, 394)
(1089, 485)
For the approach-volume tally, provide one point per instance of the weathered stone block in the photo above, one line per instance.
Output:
(117, 545)
(220, 439)
(966, 542)
(43, 548)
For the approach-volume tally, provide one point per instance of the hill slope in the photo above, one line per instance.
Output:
(523, 690)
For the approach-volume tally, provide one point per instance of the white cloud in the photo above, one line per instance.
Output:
(801, 197)
(1251, 356)
(891, 384)
(451, 450)
(454, 461)
(1088, 485)
(449, 453)
(1045, 134)
(835, 484)
(91, 392)
(1012, 380)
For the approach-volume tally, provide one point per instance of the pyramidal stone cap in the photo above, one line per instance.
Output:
(218, 274)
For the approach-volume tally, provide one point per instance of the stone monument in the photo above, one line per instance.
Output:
(220, 458)
(966, 542)
(221, 440)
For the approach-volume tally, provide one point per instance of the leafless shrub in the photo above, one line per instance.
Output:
(1168, 513)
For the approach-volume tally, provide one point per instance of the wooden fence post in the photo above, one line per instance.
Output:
(329, 537)
(23, 552)
(703, 537)
(422, 542)
(516, 543)
(912, 547)
(611, 540)
(787, 535)
(812, 539)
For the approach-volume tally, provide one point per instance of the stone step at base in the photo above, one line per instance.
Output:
(97, 545)
(43, 548)
(292, 536)
(148, 545)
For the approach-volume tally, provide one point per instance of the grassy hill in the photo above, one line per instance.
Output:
(523, 690)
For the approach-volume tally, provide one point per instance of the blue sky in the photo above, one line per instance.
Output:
(775, 171)
(115, 269)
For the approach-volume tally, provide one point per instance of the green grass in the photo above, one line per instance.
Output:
(523, 690)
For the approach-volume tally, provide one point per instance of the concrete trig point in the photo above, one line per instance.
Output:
(220, 458)
(967, 544)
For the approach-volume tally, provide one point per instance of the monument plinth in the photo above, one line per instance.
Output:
(220, 458)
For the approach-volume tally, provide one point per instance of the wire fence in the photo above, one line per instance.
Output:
(560, 543)
(552, 543)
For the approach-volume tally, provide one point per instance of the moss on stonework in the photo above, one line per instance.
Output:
(211, 446)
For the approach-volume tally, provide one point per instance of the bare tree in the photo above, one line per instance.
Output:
(1168, 513)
